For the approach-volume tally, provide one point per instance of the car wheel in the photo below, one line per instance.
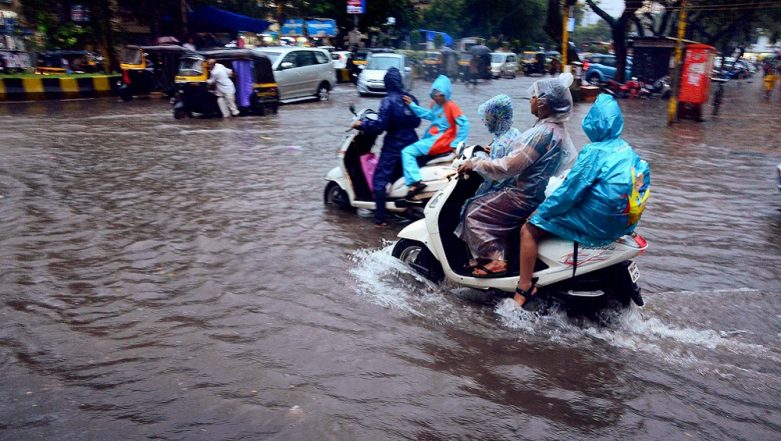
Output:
(323, 92)
(593, 79)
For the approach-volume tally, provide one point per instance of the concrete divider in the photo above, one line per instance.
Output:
(57, 88)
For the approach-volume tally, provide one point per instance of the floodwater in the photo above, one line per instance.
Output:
(182, 280)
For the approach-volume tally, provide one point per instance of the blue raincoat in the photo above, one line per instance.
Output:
(592, 205)
(399, 123)
(448, 128)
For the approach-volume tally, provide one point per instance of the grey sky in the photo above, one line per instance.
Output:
(612, 7)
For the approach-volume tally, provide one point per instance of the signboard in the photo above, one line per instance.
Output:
(356, 6)
(79, 13)
(321, 27)
(292, 26)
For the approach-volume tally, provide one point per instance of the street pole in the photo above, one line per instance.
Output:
(564, 36)
(672, 110)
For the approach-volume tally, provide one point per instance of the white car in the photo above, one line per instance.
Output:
(504, 64)
(340, 59)
(301, 72)
(371, 81)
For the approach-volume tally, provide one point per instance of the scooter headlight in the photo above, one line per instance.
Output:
(435, 200)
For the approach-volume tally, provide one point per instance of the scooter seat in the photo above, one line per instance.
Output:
(442, 158)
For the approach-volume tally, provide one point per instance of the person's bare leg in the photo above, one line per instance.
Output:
(529, 236)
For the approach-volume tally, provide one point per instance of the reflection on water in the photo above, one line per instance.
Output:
(182, 280)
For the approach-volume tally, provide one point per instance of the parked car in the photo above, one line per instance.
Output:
(504, 64)
(340, 59)
(301, 72)
(602, 67)
(371, 81)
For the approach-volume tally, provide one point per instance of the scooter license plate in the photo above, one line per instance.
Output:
(634, 273)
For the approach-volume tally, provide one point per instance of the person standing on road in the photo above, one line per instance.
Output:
(400, 123)
(219, 76)
(449, 126)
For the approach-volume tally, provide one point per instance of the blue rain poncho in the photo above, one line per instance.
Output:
(519, 177)
(449, 126)
(608, 181)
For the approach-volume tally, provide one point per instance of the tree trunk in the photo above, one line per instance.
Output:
(619, 46)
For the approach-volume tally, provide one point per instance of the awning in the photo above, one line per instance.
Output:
(209, 19)
(430, 36)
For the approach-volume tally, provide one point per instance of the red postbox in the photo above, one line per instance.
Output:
(695, 80)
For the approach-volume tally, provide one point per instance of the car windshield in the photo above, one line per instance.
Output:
(191, 66)
(360, 55)
(497, 58)
(432, 55)
(132, 56)
(272, 56)
(529, 57)
(384, 63)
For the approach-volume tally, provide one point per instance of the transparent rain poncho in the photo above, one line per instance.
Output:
(537, 154)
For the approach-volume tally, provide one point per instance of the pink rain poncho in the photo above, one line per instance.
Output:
(519, 178)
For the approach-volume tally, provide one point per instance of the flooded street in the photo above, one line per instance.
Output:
(182, 280)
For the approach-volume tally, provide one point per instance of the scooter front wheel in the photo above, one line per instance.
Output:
(334, 195)
(418, 257)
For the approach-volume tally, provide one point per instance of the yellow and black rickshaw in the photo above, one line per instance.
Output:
(432, 64)
(68, 61)
(148, 69)
(464, 59)
(256, 89)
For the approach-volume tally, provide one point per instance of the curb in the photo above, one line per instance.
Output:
(25, 89)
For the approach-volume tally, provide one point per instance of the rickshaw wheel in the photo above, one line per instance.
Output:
(274, 108)
(180, 113)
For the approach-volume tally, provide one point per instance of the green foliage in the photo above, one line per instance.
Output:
(439, 41)
(596, 32)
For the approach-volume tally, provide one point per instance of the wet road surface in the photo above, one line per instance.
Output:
(182, 280)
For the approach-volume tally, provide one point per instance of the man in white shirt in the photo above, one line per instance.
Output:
(226, 91)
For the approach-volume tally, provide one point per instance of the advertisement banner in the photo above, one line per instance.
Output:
(292, 27)
(321, 27)
(356, 6)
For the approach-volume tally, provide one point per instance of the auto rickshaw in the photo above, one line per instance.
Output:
(464, 59)
(62, 62)
(432, 64)
(256, 89)
(480, 64)
(449, 63)
(148, 69)
(535, 67)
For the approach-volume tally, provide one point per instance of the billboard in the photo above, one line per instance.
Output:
(292, 26)
(356, 6)
(321, 27)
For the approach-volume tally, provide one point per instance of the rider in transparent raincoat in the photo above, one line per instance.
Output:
(519, 178)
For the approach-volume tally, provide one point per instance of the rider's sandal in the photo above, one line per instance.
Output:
(488, 274)
(480, 261)
(526, 294)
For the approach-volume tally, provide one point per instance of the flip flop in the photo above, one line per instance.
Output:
(528, 295)
(488, 273)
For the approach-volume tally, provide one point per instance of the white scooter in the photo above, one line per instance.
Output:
(581, 280)
(347, 184)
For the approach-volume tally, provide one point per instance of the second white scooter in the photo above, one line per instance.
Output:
(348, 186)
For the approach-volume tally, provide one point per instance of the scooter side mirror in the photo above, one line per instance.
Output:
(352, 109)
